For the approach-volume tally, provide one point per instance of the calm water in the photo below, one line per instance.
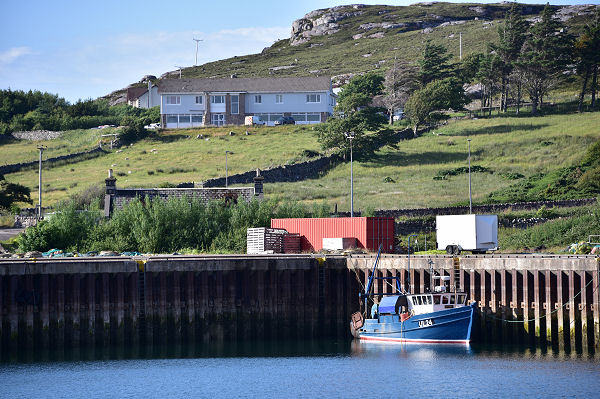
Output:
(302, 369)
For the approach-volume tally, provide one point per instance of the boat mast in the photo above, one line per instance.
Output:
(408, 278)
(370, 282)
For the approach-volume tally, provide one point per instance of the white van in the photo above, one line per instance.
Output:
(253, 120)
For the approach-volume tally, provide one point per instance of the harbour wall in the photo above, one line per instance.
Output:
(118, 302)
(540, 300)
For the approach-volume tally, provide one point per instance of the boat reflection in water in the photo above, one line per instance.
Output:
(361, 348)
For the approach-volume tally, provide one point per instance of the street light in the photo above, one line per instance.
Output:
(226, 152)
(350, 136)
(408, 278)
(39, 215)
(470, 198)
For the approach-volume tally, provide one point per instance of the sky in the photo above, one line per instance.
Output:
(87, 49)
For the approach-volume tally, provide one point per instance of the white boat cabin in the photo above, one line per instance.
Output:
(427, 303)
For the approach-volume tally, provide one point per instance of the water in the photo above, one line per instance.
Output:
(302, 369)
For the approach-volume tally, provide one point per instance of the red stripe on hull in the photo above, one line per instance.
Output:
(416, 341)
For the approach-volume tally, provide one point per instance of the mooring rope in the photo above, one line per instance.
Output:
(546, 314)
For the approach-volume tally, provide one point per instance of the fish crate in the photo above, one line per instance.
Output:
(292, 243)
(264, 240)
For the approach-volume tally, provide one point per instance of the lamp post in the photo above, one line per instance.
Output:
(470, 198)
(226, 152)
(350, 136)
(39, 215)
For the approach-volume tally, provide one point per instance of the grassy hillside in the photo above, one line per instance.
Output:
(414, 173)
(169, 157)
(340, 51)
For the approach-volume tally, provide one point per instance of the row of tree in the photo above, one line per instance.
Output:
(34, 110)
(527, 60)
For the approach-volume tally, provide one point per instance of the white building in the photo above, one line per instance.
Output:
(188, 103)
(138, 97)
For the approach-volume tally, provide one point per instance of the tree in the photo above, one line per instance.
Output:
(587, 56)
(425, 105)
(359, 92)
(434, 64)
(11, 193)
(400, 82)
(512, 35)
(354, 113)
(545, 55)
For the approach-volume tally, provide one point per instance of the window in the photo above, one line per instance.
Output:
(171, 118)
(436, 300)
(279, 98)
(197, 118)
(313, 117)
(184, 118)
(313, 98)
(218, 119)
(258, 99)
(217, 99)
(452, 299)
(445, 299)
(235, 104)
(199, 99)
(299, 117)
(173, 100)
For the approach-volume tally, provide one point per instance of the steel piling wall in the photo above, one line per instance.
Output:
(121, 302)
(542, 300)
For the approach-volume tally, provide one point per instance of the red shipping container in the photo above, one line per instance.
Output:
(368, 231)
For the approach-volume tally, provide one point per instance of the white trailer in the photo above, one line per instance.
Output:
(475, 233)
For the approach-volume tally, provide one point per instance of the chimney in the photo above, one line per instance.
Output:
(258, 185)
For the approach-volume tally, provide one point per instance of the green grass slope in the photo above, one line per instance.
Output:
(420, 172)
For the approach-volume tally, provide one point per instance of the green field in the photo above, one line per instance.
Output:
(167, 157)
(396, 177)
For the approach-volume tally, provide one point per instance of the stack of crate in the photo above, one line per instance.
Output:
(292, 243)
(264, 240)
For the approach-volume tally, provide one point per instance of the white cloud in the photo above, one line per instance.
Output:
(12, 54)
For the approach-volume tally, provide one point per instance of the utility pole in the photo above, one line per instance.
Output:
(179, 67)
(470, 198)
(226, 152)
(39, 215)
(350, 136)
(197, 41)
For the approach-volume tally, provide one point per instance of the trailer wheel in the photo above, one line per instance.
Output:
(456, 250)
(450, 249)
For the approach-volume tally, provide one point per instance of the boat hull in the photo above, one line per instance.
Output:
(450, 326)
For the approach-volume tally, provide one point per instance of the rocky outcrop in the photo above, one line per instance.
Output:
(321, 22)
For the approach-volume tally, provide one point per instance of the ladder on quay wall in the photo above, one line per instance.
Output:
(456, 267)
(142, 297)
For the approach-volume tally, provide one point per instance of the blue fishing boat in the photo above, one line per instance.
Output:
(440, 316)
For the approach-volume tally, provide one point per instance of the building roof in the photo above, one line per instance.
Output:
(133, 93)
(265, 85)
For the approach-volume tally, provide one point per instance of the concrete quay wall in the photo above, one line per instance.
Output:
(79, 302)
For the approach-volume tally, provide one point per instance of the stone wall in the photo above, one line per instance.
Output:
(124, 195)
(116, 198)
(12, 168)
(482, 209)
(286, 173)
